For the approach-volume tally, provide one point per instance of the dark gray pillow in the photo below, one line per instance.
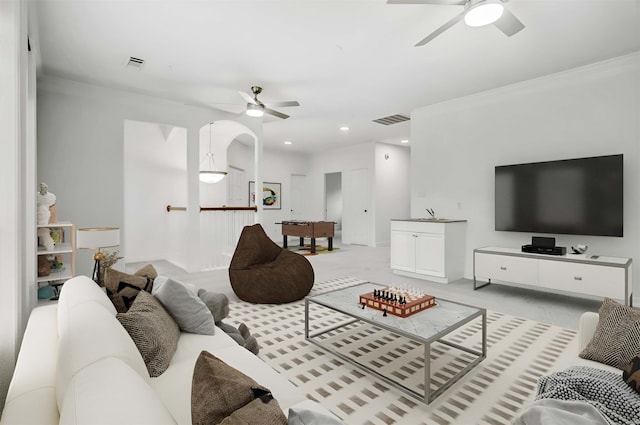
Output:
(153, 330)
(631, 375)
(123, 288)
(190, 312)
(617, 337)
(221, 393)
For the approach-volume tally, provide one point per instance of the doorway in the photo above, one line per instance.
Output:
(358, 206)
(236, 187)
(298, 197)
(333, 199)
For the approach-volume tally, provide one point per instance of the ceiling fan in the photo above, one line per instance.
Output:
(476, 13)
(256, 108)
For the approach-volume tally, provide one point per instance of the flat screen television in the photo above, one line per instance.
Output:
(581, 196)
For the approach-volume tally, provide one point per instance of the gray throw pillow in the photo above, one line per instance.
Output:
(617, 337)
(153, 331)
(309, 413)
(190, 312)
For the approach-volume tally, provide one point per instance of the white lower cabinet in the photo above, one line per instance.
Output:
(403, 251)
(572, 274)
(428, 250)
(505, 268)
(591, 279)
(430, 254)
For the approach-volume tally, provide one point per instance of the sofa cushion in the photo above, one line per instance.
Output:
(617, 337)
(631, 373)
(92, 333)
(219, 392)
(123, 288)
(34, 377)
(174, 385)
(78, 290)
(110, 392)
(190, 312)
(153, 331)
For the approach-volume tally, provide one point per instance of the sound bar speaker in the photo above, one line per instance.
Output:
(554, 250)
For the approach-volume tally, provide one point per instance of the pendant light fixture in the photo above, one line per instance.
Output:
(210, 175)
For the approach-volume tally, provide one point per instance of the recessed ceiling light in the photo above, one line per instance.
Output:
(344, 128)
(287, 142)
(404, 141)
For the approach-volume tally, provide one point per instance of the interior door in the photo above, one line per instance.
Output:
(236, 187)
(333, 198)
(359, 202)
(298, 197)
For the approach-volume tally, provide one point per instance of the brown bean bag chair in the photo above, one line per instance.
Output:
(264, 273)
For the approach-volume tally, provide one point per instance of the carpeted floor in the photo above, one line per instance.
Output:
(519, 351)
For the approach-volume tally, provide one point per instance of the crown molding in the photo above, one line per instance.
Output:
(621, 65)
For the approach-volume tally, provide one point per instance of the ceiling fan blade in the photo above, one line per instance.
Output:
(284, 103)
(276, 113)
(442, 2)
(509, 24)
(247, 97)
(440, 30)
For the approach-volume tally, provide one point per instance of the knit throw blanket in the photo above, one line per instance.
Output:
(604, 390)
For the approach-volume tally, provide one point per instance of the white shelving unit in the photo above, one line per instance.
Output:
(65, 250)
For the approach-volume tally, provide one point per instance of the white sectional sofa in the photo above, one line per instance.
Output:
(78, 365)
(586, 329)
(575, 395)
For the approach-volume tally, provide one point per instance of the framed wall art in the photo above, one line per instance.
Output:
(271, 195)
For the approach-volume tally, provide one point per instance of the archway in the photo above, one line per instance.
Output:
(220, 230)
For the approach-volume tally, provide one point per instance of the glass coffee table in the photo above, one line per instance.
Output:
(425, 327)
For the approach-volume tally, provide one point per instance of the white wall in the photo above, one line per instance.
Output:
(384, 176)
(155, 175)
(340, 160)
(81, 152)
(584, 112)
(391, 188)
(17, 184)
(278, 166)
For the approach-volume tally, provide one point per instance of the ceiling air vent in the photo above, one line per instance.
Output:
(392, 119)
(135, 63)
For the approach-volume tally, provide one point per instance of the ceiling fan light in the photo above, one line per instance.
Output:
(254, 110)
(479, 13)
(211, 177)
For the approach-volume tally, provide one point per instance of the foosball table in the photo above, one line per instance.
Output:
(308, 229)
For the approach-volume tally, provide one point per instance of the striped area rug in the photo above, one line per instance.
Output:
(494, 392)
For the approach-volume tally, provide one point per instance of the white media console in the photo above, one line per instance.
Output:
(581, 274)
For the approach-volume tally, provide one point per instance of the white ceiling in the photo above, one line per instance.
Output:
(346, 61)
